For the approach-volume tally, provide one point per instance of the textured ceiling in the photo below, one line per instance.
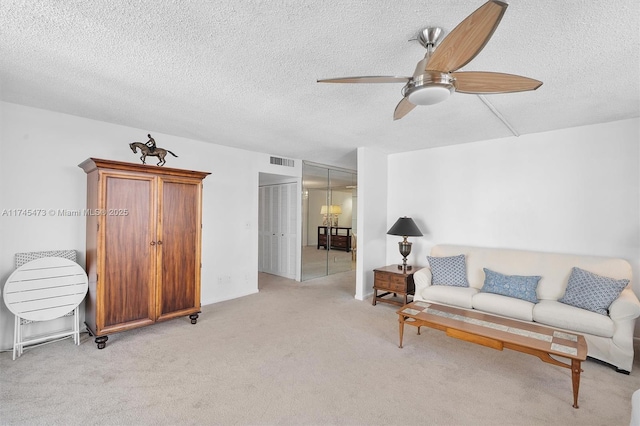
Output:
(243, 73)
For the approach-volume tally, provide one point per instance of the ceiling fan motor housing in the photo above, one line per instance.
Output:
(428, 88)
(429, 36)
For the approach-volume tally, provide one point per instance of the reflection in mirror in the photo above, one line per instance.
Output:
(329, 220)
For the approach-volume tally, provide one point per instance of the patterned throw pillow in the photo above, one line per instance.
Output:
(518, 286)
(450, 271)
(590, 291)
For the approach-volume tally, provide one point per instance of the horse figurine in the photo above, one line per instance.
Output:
(146, 151)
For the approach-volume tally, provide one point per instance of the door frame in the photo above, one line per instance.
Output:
(268, 179)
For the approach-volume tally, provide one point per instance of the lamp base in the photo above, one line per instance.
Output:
(405, 250)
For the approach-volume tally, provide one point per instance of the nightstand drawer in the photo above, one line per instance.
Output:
(381, 278)
(396, 281)
(390, 282)
(342, 243)
(397, 287)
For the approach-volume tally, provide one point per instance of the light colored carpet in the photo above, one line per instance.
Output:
(299, 354)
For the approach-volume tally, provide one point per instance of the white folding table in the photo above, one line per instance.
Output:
(42, 290)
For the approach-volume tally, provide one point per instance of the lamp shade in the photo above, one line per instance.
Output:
(405, 227)
(331, 209)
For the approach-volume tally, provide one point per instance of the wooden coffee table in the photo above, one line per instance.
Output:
(498, 333)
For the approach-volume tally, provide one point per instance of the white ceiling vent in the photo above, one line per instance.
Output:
(282, 161)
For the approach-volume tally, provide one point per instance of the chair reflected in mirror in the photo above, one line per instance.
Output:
(354, 246)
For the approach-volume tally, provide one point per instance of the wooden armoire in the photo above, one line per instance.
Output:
(144, 227)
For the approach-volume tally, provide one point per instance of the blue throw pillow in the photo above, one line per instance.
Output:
(590, 291)
(450, 270)
(518, 286)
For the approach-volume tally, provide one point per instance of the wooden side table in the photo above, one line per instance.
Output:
(391, 280)
(337, 237)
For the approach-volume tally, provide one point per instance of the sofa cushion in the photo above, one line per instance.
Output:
(556, 314)
(517, 286)
(503, 305)
(450, 295)
(451, 270)
(591, 291)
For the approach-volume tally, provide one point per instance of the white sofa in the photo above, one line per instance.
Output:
(635, 409)
(609, 337)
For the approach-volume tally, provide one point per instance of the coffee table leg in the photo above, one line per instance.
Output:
(401, 323)
(575, 379)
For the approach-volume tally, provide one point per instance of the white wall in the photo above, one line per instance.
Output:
(315, 200)
(344, 199)
(39, 154)
(372, 227)
(569, 191)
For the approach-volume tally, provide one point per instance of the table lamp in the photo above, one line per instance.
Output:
(335, 211)
(324, 211)
(405, 227)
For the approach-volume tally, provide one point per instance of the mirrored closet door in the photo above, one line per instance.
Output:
(329, 231)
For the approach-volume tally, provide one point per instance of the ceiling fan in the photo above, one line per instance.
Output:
(435, 77)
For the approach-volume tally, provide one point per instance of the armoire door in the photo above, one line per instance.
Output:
(178, 247)
(127, 221)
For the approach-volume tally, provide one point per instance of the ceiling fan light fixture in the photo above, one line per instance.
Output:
(429, 88)
(429, 95)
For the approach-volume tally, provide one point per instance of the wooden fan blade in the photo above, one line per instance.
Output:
(492, 82)
(367, 79)
(403, 108)
(468, 38)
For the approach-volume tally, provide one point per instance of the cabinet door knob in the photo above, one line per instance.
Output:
(153, 243)
(159, 242)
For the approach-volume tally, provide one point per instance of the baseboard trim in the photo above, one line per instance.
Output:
(365, 297)
(205, 302)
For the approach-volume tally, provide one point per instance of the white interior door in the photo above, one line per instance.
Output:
(287, 251)
(277, 230)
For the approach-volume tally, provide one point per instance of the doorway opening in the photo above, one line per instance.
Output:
(278, 225)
